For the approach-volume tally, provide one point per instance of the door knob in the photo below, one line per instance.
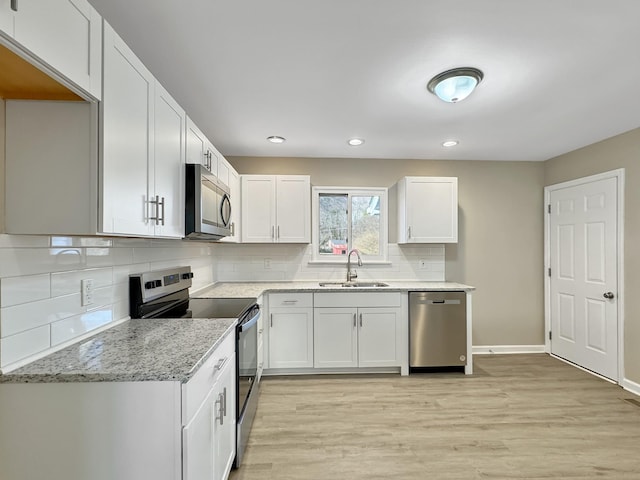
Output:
(609, 295)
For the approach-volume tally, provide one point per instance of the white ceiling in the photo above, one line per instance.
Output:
(559, 74)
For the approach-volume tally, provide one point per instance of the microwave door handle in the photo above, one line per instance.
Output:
(225, 200)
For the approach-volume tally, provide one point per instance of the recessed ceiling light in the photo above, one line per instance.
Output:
(456, 84)
(450, 143)
(276, 139)
(354, 142)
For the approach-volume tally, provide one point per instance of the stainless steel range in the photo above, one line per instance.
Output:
(165, 294)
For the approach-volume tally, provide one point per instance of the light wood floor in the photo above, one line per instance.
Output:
(517, 417)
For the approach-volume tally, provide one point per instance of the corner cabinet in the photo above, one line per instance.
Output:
(276, 208)
(114, 168)
(63, 35)
(428, 210)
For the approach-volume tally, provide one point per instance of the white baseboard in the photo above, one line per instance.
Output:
(506, 349)
(630, 386)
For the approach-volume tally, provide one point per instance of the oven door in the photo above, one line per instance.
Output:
(247, 386)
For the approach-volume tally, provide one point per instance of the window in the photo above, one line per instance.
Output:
(346, 218)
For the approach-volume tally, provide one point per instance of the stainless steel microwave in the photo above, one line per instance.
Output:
(208, 205)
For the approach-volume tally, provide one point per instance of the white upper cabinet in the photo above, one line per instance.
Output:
(428, 210)
(276, 208)
(142, 155)
(126, 114)
(168, 179)
(64, 35)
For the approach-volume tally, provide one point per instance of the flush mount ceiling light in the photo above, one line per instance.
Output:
(456, 84)
(354, 142)
(276, 139)
(450, 143)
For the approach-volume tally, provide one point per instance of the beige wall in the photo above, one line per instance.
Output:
(622, 151)
(500, 249)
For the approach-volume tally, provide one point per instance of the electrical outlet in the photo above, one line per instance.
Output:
(422, 264)
(86, 290)
(267, 264)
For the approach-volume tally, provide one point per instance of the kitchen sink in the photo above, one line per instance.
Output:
(354, 284)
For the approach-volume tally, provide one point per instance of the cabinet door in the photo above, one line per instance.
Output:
(6, 18)
(335, 337)
(196, 144)
(258, 208)
(291, 338)
(432, 209)
(127, 115)
(224, 427)
(293, 214)
(169, 172)
(379, 337)
(223, 170)
(198, 440)
(65, 34)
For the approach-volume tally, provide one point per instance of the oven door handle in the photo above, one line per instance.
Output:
(245, 325)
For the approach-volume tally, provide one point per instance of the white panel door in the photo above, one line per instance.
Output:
(291, 338)
(198, 440)
(335, 337)
(224, 427)
(293, 209)
(258, 208)
(196, 144)
(378, 337)
(169, 172)
(127, 145)
(66, 35)
(583, 285)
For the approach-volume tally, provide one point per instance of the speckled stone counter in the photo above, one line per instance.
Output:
(255, 289)
(136, 350)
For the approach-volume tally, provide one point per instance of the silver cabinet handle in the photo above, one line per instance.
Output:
(220, 364)
(14, 5)
(219, 402)
(224, 403)
(361, 320)
(271, 319)
(159, 203)
(409, 233)
(608, 295)
(355, 324)
(233, 229)
(278, 234)
(289, 302)
(273, 230)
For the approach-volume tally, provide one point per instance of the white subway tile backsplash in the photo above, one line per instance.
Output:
(30, 288)
(23, 345)
(65, 283)
(40, 302)
(69, 328)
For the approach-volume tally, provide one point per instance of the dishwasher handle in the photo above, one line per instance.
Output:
(438, 302)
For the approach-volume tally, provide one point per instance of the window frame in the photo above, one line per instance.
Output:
(382, 192)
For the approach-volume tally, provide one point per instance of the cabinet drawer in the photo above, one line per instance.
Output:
(294, 300)
(196, 389)
(359, 299)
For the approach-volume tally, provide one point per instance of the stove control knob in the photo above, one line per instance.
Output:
(187, 276)
(158, 283)
(149, 285)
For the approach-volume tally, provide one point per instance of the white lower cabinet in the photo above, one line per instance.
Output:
(160, 430)
(357, 337)
(290, 327)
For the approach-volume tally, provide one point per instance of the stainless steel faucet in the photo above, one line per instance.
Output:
(352, 274)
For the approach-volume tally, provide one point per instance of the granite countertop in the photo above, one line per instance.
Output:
(255, 289)
(136, 350)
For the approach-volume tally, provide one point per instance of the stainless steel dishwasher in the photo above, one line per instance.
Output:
(437, 329)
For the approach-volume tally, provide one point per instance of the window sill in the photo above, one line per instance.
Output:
(344, 263)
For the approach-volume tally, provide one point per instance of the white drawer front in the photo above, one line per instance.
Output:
(294, 300)
(196, 389)
(357, 299)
